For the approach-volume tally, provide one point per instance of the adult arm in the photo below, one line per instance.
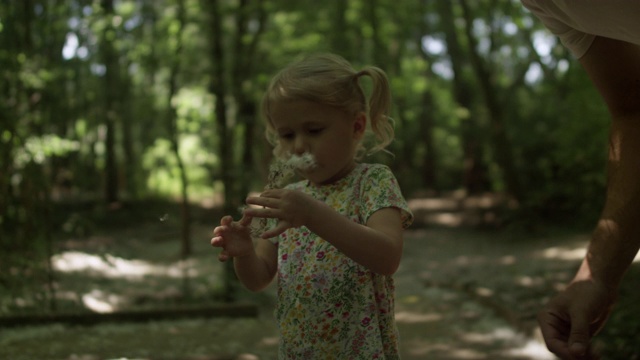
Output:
(576, 314)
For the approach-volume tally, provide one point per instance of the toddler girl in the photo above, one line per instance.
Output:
(335, 238)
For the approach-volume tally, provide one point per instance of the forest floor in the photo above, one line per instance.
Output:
(461, 293)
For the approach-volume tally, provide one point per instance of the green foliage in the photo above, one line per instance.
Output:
(624, 323)
(39, 150)
(162, 167)
(563, 149)
(193, 107)
(86, 98)
(556, 124)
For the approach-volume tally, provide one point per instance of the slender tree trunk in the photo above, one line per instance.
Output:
(502, 147)
(225, 149)
(475, 178)
(111, 105)
(243, 71)
(338, 37)
(427, 121)
(131, 164)
(247, 115)
(9, 70)
(427, 125)
(379, 51)
(236, 184)
(174, 134)
(217, 87)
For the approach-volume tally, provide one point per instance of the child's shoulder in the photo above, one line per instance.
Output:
(374, 169)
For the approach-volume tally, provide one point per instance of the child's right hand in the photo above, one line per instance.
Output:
(234, 237)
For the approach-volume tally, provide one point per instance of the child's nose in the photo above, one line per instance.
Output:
(299, 147)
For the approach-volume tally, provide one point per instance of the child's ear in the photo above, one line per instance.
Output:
(360, 125)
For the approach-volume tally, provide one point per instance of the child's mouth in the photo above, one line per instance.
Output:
(283, 169)
(305, 162)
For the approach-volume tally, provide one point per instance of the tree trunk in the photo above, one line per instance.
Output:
(217, 88)
(111, 104)
(427, 123)
(235, 183)
(244, 54)
(501, 146)
(474, 178)
(9, 70)
(338, 37)
(225, 149)
(174, 135)
(247, 115)
(130, 159)
(426, 131)
(379, 51)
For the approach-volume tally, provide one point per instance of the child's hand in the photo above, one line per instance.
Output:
(233, 237)
(290, 207)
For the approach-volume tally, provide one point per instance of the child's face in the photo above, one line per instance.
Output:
(330, 134)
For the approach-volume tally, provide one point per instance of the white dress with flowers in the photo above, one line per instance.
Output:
(329, 306)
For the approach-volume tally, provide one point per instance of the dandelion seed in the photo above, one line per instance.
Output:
(304, 162)
(164, 218)
(280, 172)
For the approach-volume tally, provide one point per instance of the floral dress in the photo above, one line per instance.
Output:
(329, 306)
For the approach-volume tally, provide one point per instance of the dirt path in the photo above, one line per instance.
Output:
(439, 310)
(460, 295)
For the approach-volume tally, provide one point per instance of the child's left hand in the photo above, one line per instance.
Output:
(290, 207)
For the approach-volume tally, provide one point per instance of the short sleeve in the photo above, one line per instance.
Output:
(379, 189)
(556, 18)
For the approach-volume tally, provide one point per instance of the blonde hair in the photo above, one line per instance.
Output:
(330, 80)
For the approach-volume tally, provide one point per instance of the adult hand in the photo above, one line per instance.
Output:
(572, 317)
(290, 207)
(233, 237)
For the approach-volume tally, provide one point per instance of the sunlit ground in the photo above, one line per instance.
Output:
(571, 253)
(466, 345)
(116, 267)
(135, 270)
(434, 323)
(113, 267)
(458, 209)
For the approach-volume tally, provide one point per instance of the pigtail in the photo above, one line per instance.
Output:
(379, 108)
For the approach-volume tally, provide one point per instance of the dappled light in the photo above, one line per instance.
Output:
(459, 209)
(451, 290)
(576, 252)
(451, 351)
(532, 349)
(101, 302)
(116, 267)
(507, 260)
(484, 292)
(528, 281)
(247, 357)
(415, 317)
(564, 253)
(491, 336)
(452, 220)
(132, 127)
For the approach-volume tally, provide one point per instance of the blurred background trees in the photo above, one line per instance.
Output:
(109, 102)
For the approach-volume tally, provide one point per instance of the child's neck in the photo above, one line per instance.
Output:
(343, 173)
